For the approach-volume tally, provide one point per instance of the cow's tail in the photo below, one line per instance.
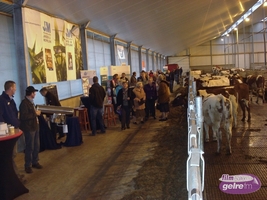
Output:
(220, 106)
(245, 102)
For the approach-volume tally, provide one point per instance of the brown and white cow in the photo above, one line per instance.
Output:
(256, 84)
(226, 93)
(217, 114)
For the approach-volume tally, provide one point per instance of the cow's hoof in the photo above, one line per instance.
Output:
(248, 120)
(243, 119)
(207, 140)
(214, 139)
(228, 153)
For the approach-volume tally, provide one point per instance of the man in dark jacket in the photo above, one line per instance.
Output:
(151, 96)
(96, 95)
(30, 127)
(9, 115)
(52, 100)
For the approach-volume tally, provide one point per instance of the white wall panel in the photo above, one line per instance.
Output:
(200, 50)
(203, 60)
(218, 49)
(218, 60)
(182, 61)
(258, 47)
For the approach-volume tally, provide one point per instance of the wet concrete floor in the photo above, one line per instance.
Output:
(249, 156)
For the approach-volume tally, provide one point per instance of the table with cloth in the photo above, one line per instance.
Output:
(74, 135)
(10, 185)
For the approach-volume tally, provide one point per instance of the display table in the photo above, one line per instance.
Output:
(47, 139)
(10, 185)
(74, 135)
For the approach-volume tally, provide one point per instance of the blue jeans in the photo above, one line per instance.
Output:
(32, 148)
(96, 115)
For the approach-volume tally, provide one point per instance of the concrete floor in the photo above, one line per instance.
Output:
(249, 146)
(101, 168)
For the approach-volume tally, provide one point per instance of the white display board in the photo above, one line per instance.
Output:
(119, 70)
(103, 76)
(87, 80)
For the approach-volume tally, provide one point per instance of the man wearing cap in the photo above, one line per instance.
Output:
(30, 127)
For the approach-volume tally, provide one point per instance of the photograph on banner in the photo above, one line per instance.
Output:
(87, 80)
(120, 50)
(54, 48)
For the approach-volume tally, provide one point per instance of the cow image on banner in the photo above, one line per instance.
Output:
(120, 50)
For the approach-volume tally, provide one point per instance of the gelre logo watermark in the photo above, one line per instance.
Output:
(239, 184)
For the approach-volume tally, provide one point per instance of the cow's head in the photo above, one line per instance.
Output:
(180, 100)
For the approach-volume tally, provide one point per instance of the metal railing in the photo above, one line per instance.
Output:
(195, 166)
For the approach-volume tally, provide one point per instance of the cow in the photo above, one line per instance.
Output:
(217, 113)
(256, 84)
(242, 90)
(226, 93)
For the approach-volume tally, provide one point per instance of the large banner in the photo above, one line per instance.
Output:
(54, 48)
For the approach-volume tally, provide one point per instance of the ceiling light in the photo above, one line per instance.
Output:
(247, 19)
(251, 10)
(235, 29)
(265, 4)
(221, 39)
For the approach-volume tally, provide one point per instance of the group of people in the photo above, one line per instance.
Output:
(137, 97)
(27, 121)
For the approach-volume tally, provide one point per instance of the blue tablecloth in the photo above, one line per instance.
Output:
(74, 135)
(47, 139)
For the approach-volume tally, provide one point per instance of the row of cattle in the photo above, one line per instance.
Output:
(220, 105)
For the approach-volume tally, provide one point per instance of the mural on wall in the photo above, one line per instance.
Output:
(54, 48)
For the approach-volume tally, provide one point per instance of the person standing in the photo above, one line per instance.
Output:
(151, 96)
(125, 105)
(96, 95)
(139, 102)
(30, 126)
(52, 100)
(123, 77)
(163, 98)
(133, 80)
(9, 115)
(171, 80)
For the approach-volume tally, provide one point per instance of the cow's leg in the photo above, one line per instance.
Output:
(257, 93)
(219, 141)
(206, 132)
(214, 132)
(243, 107)
(248, 109)
(229, 138)
(263, 94)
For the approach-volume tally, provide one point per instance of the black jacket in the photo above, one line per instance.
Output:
(28, 117)
(51, 99)
(97, 95)
(8, 110)
(120, 97)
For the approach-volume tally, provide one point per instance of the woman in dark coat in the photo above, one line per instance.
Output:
(124, 99)
(163, 97)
